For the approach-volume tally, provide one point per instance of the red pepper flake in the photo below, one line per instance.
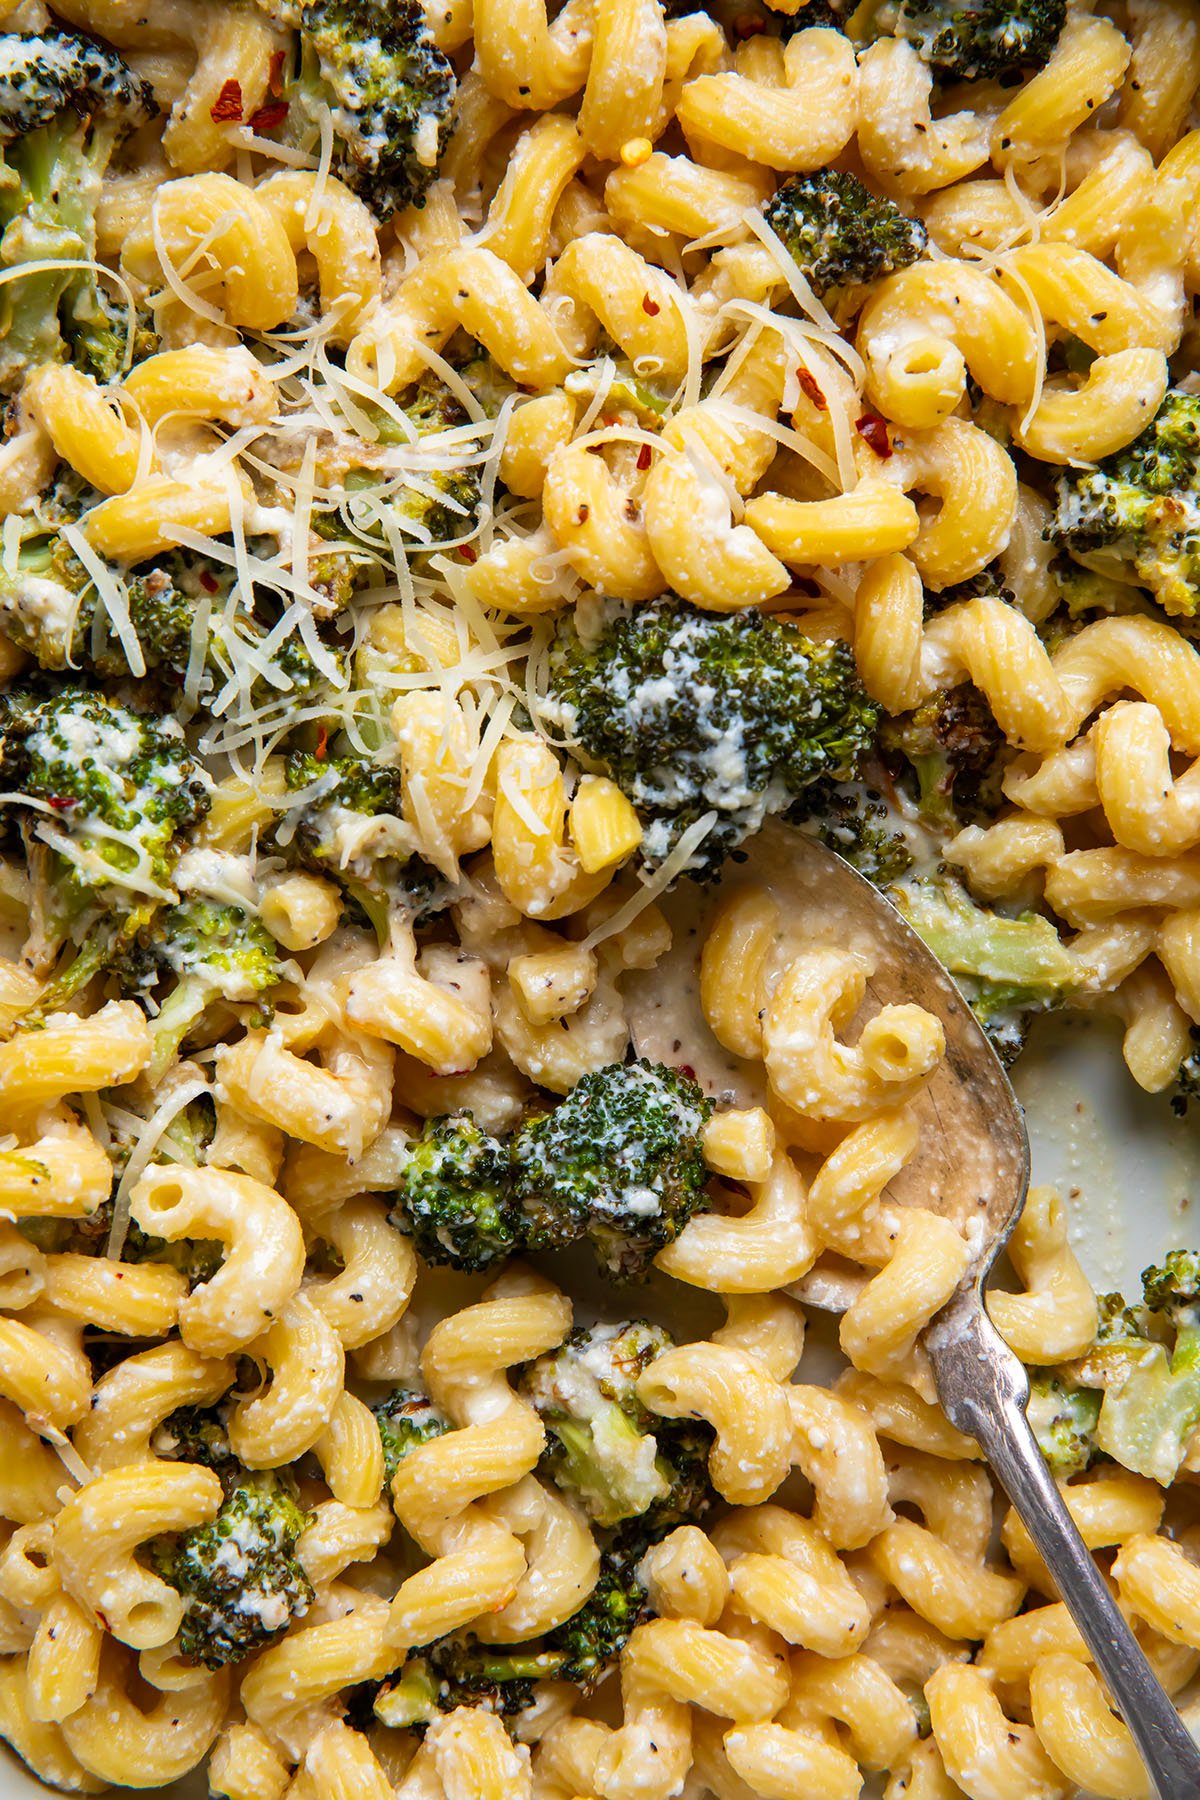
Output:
(60, 802)
(747, 26)
(873, 431)
(584, 514)
(686, 1070)
(811, 391)
(468, 553)
(269, 116)
(322, 743)
(644, 457)
(650, 306)
(208, 582)
(227, 107)
(275, 73)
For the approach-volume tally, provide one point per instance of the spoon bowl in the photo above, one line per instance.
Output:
(972, 1167)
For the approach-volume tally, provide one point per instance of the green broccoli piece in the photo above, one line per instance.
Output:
(1064, 1418)
(460, 1671)
(104, 334)
(350, 827)
(856, 821)
(65, 104)
(618, 1161)
(210, 952)
(810, 13)
(196, 1434)
(1141, 506)
(1186, 1086)
(405, 1419)
(240, 1581)
(106, 796)
(454, 1198)
(957, 754)
(432, 498)
(983, 40)
(1146, 1360)
(1007, 968)
(196, 1258)
(601, 1445)
(839, 234)
(377, 73)
(695, 712)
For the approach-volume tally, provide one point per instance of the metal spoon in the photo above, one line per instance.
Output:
(973, 1166)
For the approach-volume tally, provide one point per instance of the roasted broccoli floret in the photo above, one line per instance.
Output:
(1186, 1087)
(349, 826)
(601, 1438)
(65, 104)
(455, 1198)
(958, 755)
(405, 1419)
(856, 821)
(207, 951)
(982, 39)
(839, 233)
(106, 796)
(590, 1641)
(810, 13)
(196, 1434)
(1064, 1418)
(695, 712)
(239, 1577)
(618, 1161)
(1008, 968)
(460, 1671)
(377, 73)
(1146, 1359)
(1141, 506)
(50, 607)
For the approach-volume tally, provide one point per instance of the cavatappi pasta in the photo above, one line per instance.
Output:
(461, 472)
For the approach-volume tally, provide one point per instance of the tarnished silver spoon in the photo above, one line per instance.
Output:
(973, 1166)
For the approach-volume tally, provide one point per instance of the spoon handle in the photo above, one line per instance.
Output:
(983, 1389)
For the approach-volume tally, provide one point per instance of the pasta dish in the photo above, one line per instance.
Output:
(472, 478)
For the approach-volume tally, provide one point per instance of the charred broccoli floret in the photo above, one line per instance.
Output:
(1186, 1087)
(350, 826)
(1064, 1418)
(601, 1443)
(196, 1434)
(65, 104)
(1146, 1360)
(50, 607)
(429, 493)
(388, 89)
(405, 1419)
(239, 1577)
(983, 39)
(695, 713)
(455, 1195)
(1008, 968)
(840, 234)
(207, 951)
(106, 796)
(957, 753)
(856, 821)
(460, 1671)
(591, 1640)
(618, 1161)
(1141, 506)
